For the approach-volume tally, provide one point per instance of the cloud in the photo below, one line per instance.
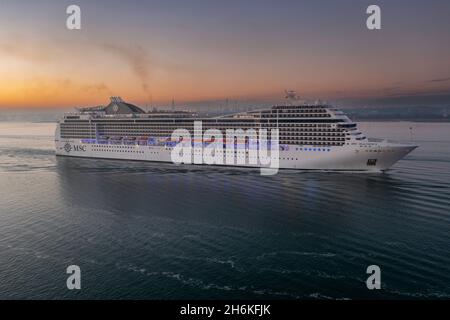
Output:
(391, 89)
(97, 88)
(440, 80)
(24, 52)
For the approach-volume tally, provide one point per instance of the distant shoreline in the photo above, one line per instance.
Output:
(402, 120)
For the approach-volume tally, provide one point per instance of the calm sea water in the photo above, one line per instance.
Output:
(157, 231)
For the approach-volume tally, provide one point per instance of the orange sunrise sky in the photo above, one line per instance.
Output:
(156, 51)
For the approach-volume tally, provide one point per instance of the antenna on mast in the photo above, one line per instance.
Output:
(291, 96)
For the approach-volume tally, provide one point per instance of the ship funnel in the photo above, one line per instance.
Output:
(116, 99)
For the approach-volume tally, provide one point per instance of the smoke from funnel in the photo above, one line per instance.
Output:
(138, 60)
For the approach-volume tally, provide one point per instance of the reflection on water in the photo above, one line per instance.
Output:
(146, 230)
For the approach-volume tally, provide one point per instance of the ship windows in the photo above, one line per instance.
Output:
(371, 162)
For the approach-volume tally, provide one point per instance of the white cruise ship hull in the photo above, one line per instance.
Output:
(368, 156)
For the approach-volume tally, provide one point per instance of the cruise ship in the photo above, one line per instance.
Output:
(311, 136)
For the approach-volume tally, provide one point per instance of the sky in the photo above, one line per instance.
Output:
(150, 52)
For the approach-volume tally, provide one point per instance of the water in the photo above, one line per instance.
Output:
(157, 231)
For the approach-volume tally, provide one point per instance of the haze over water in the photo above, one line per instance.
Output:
(159, 231)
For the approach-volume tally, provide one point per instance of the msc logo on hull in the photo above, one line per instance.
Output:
(68, 147)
